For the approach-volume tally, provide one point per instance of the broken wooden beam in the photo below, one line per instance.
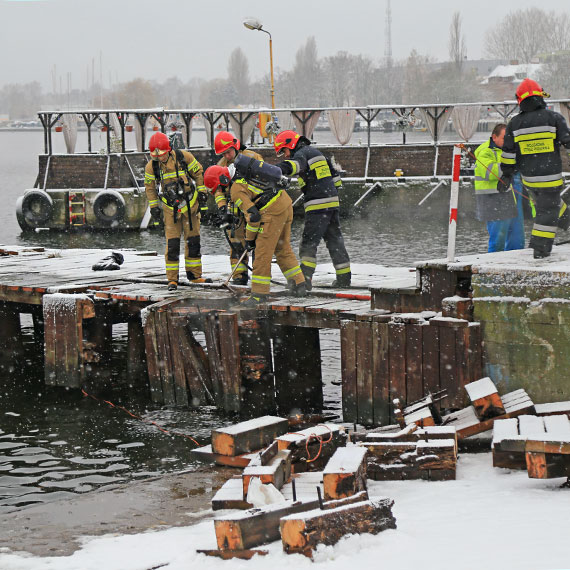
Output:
(345, 473)
(485, 398)
(229, 554)
(312, 447)
(248, 436)
(303, 533)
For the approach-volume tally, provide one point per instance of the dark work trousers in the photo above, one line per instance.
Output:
(324, 224)
(551, 214)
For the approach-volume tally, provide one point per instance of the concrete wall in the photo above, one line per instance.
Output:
(526, 345)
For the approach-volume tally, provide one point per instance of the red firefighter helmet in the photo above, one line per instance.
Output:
(224, 141)
(216, 176)
(286, 139)
(528, 88)
(158, 145)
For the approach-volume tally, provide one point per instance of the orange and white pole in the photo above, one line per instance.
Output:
(453, 200)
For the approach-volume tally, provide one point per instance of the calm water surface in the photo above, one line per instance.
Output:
(54, 443)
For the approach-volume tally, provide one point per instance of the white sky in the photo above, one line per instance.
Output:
(157, 39)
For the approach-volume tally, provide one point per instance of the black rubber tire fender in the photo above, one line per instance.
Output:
(34, 209)
(109, 207)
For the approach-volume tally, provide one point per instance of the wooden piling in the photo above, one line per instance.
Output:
(256, 367)
(10, 336)
(64, 350)
(348, 363)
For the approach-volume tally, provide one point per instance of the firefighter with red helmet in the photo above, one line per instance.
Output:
(319, 183)
(228, 147)
(532, 145)
(268, 212)
(169, 179)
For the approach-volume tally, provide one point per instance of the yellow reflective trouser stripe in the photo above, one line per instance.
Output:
(539, 233)
(252, 228)
(262, 280)
(532, 136)
(193, 262)
(153, 203)
(343, 270)
(334, 204)
(292, 272)
(240, 267)
(547, 184)
(308, 263)
(271, 201)
(171, 266)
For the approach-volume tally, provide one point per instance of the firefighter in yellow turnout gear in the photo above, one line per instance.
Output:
(233, 220)
(172, 171)
(268, 211)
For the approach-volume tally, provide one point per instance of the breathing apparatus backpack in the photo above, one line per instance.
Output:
(258, 173)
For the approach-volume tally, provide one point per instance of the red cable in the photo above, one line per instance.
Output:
(164, 430)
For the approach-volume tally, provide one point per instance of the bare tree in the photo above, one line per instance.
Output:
(238, 74)
(524, 34)
(457, 49)
(307, 73)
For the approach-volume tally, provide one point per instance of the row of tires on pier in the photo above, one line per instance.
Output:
(60, 209)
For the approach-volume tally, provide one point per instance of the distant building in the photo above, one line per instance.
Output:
(513, 73)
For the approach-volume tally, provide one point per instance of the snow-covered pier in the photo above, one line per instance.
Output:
(403, 332)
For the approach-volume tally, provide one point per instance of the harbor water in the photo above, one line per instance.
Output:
(55, 443)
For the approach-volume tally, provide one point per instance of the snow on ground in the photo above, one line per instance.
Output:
(488, 519)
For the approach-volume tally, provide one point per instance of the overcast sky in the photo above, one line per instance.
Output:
(157, 39)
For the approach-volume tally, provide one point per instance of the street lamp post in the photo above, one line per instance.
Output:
(253, 24)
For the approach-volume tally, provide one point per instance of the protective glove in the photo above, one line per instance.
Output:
(155, 213)
(504, 183)
(250, 244)
(202, 198)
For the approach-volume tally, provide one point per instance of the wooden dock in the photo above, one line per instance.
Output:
(198, 346)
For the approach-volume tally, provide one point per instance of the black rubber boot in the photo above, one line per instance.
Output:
(540, 254)
(241, 279)
(172, 286)
(300, 290)
(342, 281)
(254, 300)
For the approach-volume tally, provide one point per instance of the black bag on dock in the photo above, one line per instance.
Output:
(110, 263)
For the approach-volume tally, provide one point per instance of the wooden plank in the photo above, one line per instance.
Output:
(166, 358)
(364, 360)
(276, 472)
(430, 358)
(303, 533)
(397, 349)
(152, 357)
(178, 361)
(345, 473)
(348, 370)
(380, 373)
(230, 361)
(448, 366)
(230, 554)
(298, 378)
(414, 362)
(248, 436)
(212, 334)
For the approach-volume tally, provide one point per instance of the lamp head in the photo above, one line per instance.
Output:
(252, 24)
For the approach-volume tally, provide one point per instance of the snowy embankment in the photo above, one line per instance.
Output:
(487, 519)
